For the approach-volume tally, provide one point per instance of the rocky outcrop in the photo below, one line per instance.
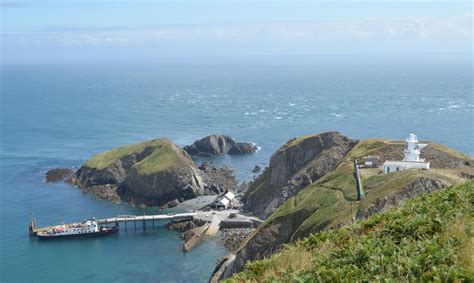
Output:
(185, 225)
(256, 169)
(231, 239)
(242, 148)
(294, 166)
(58, 174)
(217, 180)
(218, 145)
(153, 173)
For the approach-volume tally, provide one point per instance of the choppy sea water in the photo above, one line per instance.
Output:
(58, 115)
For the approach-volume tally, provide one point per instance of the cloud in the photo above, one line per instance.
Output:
(414, 34)
(365, 29)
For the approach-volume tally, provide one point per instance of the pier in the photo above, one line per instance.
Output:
(213, 217)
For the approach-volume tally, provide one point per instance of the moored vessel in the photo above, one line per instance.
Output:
(86, 228)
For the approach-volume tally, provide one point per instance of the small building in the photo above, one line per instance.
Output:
(371, 161)
(225, 201)
(411, 158)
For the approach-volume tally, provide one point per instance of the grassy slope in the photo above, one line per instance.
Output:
(429, 237)
(164, 156)
(332, 200)
(450, 151)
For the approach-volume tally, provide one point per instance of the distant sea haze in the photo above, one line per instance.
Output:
(58, 115)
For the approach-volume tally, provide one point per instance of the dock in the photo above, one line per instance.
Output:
(214, 217)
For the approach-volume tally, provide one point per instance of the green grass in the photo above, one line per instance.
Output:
(298, 140)
(429, 238)
(164, 156)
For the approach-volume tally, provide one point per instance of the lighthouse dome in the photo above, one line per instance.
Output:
(412, 138)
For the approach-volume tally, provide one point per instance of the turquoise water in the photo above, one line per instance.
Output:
(59, 115)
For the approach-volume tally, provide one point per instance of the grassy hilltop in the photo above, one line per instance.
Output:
(155, 173)
(162, 155)
(429, 238)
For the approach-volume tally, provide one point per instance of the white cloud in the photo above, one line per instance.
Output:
(373, 28)
(297, 37)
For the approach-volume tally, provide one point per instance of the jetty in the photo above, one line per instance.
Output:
(213, 217)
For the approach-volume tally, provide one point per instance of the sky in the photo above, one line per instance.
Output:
(37, 30)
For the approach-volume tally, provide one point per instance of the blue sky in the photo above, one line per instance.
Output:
(74, 30)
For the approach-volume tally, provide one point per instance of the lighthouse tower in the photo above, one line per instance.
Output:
(411, 158)
(412, 152)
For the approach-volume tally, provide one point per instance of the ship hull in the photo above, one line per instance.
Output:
(109, 231)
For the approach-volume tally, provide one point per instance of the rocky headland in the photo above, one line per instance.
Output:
(309, 187)
(150, 173)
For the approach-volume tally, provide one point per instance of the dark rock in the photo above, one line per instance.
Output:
(210, 146)
(58, 174)
(185, 225)
(242, 148)
(218, 145)
(217, 180)
(106, 192)
(170, 204)
(256, 169)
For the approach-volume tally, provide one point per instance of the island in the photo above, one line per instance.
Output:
(315, 183)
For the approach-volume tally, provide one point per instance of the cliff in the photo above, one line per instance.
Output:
(329, 199)
(153, 172)
(428, 239)
(294, 166)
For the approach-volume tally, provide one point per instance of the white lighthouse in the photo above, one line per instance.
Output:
(411, 157)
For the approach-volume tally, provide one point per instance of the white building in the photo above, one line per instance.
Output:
(411, 160)
(226, 201)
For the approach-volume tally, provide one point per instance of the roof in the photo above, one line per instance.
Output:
(224, 201)
(371, 158)
(229, 195)
(405, 163)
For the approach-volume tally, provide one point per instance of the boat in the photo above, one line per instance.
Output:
(86, 228)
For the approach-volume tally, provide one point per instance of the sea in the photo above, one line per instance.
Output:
(59, 114)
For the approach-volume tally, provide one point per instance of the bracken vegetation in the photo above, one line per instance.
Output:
(429, 238)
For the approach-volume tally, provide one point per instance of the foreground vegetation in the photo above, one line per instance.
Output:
(429, 238)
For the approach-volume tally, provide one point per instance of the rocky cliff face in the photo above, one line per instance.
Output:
(294, 166)
(219, 145)
(150, 173)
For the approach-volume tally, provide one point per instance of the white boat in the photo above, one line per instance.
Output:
(86, 228)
